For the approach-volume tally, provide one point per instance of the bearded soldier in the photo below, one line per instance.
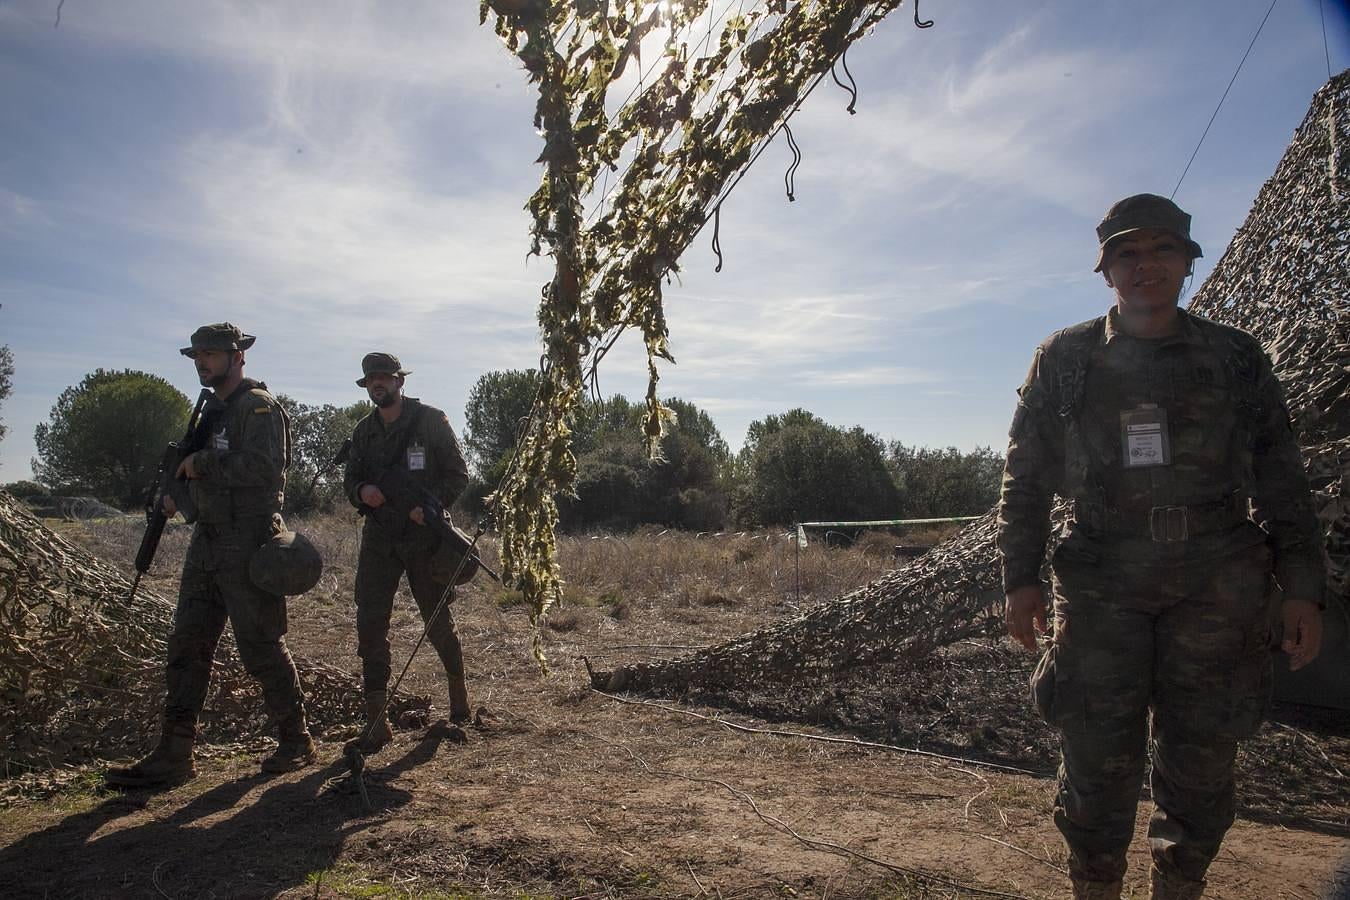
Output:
(404, 470)
(236, 480)
(1169, 435)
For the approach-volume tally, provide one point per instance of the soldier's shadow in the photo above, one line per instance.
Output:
(217, 843)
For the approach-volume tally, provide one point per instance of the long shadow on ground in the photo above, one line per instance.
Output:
(215, 844)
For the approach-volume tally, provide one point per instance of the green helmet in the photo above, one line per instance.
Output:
(287, 564)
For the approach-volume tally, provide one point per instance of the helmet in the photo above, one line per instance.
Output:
(287, 564)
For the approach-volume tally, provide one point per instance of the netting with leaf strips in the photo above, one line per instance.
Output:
(1284, 278)
(629, 182)
(82, 663)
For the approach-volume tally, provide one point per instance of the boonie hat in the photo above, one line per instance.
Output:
(1143, 211)
(218, 336)
(380, 362)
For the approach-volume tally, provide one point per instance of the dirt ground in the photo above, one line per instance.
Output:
(560, 791)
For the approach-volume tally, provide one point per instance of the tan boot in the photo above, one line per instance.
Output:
(460, 713)
(377, 732)
(295, 748)
(169, 764)
(1096, 890)
(1171, 886)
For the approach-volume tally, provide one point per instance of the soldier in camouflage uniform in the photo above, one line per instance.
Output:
(403, 454)
(1169, 435)
(237, 480)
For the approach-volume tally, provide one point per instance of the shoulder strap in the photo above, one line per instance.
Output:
(1071, 377)
(404, 440)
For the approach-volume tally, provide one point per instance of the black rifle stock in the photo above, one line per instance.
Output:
(167, 482)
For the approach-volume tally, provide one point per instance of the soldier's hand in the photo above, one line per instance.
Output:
(417, 515)
(1302, 632)
(1024, 613)
(186, 468)
(371, 496)
(169, 507)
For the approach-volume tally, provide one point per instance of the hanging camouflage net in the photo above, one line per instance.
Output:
(1284, 278)
(629, 183)
(82, 663)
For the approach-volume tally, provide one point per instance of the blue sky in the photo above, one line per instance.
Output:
(343, 176)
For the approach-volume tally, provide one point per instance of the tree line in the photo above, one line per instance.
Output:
(104, 438)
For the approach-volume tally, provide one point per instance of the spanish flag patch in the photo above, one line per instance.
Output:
(261, 410)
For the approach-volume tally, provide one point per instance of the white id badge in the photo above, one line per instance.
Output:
(1143, 437)
(219, 441)
(417, 458)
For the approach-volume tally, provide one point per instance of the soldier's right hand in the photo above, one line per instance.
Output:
(1024, 613)
(371, 496)
(169, 507)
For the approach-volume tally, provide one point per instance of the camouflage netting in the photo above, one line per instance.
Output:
(1284, 278)
(81, 665)
(629, 182)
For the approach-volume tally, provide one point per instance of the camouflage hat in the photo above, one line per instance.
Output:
(380, 362)
(287, 564)
(1143, 211)
(219, 336)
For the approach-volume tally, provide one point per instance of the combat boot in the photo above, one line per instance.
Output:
(295, 747)
(1171, 886)
(169, 764)
(1096, 890)
(460, 713)
(377, 732)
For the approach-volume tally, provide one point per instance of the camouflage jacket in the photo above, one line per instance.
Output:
(245, 448)
(430, 459)
(1228, 434)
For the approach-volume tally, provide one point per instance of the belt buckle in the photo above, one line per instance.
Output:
(1168, 524)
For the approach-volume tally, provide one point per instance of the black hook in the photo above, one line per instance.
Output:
(717, 240)
(789, 179)
(917, 23)
(851, 87)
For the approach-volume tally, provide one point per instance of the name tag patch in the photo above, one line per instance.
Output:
(1143, 437)
(417, 458)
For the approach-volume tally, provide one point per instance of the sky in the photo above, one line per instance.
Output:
(342, 176)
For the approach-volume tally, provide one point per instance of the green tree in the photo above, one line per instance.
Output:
(618, 487)
(945, 482)
(107, 434)
(317, 433)
(799, 467)
(497, 406)
(6, 381)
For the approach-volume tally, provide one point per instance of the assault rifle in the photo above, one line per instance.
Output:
(168, 483)
(401, 496)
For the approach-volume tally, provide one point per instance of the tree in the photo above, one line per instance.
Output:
(107, 434)
(317, 432)
(619, 487)
(6, 381)
(799, 467)
(935, 482)
(497, 406)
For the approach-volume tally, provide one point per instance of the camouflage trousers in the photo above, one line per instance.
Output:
(216, 587)
(1191, 645)
(379, 566)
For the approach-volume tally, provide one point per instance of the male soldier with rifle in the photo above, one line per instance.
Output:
(404, 470)
(234, 466)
